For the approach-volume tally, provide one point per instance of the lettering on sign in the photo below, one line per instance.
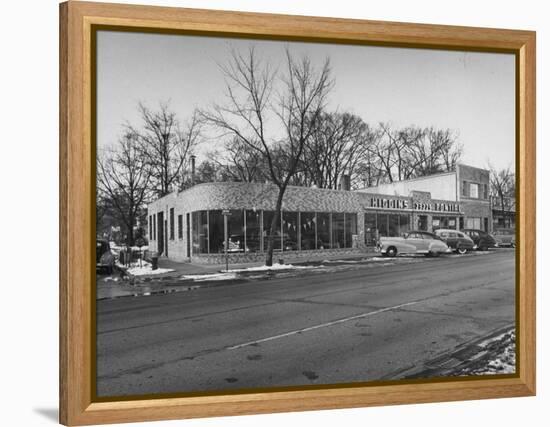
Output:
(437, 206)
(382, 203)
(377, 202)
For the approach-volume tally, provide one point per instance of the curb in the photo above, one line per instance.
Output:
(450, 362)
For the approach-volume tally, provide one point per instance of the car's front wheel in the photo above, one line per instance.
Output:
(461, 251)
(391, 251)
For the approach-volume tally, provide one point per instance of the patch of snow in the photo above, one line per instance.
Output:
(342, 261)
(207, 277)
(503, 361)
(146, 269)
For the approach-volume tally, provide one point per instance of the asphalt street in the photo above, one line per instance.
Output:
(355, 323)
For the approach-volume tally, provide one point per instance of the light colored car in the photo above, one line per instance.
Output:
(413, 242)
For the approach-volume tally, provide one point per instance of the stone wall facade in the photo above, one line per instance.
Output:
(242, 258)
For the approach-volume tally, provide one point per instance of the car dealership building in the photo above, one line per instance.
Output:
(194, 224)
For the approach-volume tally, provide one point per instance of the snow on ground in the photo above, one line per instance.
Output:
(504, 364)
(233, 274)
(505, 361)
(206, 277)
(272, 268)
(144, 269)
(502, 359)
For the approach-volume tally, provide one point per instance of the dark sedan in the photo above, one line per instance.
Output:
(482, 239)
(456, 240)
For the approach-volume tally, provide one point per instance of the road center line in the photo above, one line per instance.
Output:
(321, 325)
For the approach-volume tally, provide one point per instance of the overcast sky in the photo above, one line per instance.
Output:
(471, 93)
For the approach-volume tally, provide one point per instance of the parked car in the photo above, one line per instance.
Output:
(456, 240)
(105, 259)
(413, 242)
(505, 237)
(482, 240)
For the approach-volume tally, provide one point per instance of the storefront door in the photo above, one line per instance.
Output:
(423, 222)
(160, 235)
(188, 234)
(165, 239)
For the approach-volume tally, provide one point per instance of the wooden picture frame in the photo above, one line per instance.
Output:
(77, 198)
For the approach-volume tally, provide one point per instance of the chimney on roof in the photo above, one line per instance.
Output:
(193, 169)
(345, 182)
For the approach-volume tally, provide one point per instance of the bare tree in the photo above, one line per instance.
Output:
(336, 146)
(450, 150)
(387, 151)
(239, 162)
(503, 187)
(411, 152)
(251, 86)
(123, 178)
(166, 145)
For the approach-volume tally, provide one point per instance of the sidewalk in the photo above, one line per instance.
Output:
(123, 285)
(187, 268)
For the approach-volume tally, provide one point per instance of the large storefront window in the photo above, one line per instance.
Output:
(290, 231)
(370, 229)
(323, 230)
(385, 225)
(351, 228)
(404, 224)
(338, 235)
(248, 230)
(382, 224)
(422, 221)
(307, 230)
(216, 233)
(474, 223)
(393, 225)
(235, 232)
(253, 231)
(443, 222)
(268, 217)
(200, 232)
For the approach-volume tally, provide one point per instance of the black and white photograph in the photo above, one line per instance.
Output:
(275, 214)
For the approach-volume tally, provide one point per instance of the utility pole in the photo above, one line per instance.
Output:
(226, 213)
